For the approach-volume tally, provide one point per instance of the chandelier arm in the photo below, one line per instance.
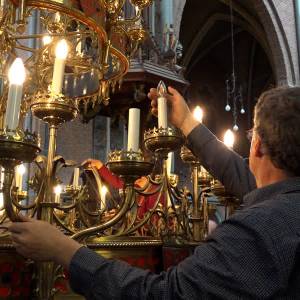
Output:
(87, 232)
(149, 213)
(75, 13)
(61, 223)
(7, 195)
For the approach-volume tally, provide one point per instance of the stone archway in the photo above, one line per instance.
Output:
(276, 24)
(279, 21)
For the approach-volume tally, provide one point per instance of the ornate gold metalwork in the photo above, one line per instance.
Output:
(163, 140)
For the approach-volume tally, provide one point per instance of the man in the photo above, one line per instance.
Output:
(255, 254)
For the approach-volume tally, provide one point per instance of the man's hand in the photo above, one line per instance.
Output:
(92, 163)
(179, 114)
(42, 241)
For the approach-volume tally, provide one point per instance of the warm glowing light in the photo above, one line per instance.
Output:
(229, 138)
(103, 191)
(21, 169)
(58, 189)
(62, 49)
(1, 201)
(47, 39)
(16, 73)
(198, 113)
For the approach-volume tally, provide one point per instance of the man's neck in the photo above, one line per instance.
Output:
(269, 174)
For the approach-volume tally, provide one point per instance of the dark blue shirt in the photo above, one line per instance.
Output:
(253, 255)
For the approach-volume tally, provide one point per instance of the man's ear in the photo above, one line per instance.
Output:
(257, 147)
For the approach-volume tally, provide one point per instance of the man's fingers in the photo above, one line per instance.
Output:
(154, 103)
(173, 91)
(17, 227)
(17, 238)
(25, 218)
(154, 111)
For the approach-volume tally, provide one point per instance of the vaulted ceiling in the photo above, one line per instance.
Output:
(207, 42)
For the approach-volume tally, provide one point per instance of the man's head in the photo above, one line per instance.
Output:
(276, 133)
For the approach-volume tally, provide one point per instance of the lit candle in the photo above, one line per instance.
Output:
(75, 178)
(103, 193)
(133, 130)
(162, 106)
(47, 39)
(198, 113)
(20, 171)
(1, 177)
(61, 53)
(16, 76)
(170, 163)
(57, 192)
(229, 139)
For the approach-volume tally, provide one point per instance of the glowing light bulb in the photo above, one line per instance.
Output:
(62, 49)
(242, 111)
(235, 127)
(229, 138)
(198, 113)
(227, 107)
(47, 39)
(16, 73)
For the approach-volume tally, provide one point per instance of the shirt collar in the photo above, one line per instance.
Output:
(270, 191)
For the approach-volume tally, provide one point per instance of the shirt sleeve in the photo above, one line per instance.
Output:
(223, 163)
(111, 179)
(237, 262)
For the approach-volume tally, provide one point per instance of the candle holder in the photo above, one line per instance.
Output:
(230, 202)
(16, 146)
(129, 165)
(163, 140)
(187, 156)
(201, 180)
(53, 109)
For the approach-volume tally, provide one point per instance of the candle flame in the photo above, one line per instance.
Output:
(103, 191)
(161, 89)
(16, 73)
(58, 189)
(47, 39)
(198, 113)
(21, 169)
(62, 49)
(229, 138)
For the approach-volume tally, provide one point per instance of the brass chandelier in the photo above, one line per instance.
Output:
(46, 72)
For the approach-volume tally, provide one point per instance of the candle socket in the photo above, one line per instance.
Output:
(163, 140)
(129, 165)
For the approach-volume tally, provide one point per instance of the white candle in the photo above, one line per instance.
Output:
(133, 129)
(170, 163)
(1, 177)
(61, 53)
(75, 178)
(162, 106)
(16, 76)
(19, 172)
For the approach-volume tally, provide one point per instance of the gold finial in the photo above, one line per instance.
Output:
(161, 88)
